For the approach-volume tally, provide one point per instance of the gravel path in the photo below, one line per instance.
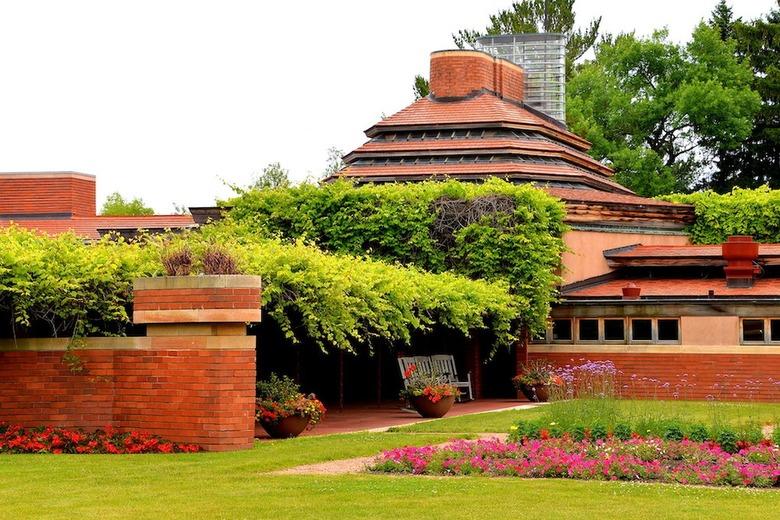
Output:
(356, 465)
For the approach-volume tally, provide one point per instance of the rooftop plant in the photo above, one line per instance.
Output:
(741, 212)
(492, 231)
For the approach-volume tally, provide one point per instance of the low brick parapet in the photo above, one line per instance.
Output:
(190, 381)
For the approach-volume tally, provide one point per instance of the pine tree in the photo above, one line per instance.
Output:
(722, 18)
(757, 160)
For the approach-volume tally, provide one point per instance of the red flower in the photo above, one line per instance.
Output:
(410, 370)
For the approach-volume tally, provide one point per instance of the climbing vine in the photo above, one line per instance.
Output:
(753, 212)
(492, 231)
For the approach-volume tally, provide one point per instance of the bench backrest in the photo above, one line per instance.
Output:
(445, 365)
(441, 364)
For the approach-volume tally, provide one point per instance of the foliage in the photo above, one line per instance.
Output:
(421, 88)
(656, 110)
(636, 459)
(334, 163)
(273, 176)
(431, 385)
(730, 439)
(116, 206)
(15, 439)
(277, 388)
(537, 16)
(216, 260)
(335, 300)
(61, 286)
(723, 20)
(757, 160)
(281, 397)
(740, 212)
(535, 372)
(492, 231)
(178, 263)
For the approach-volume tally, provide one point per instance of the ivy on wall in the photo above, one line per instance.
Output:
(492, 231)
(753, 212)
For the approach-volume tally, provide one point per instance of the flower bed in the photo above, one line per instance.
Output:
(16, 439)
(637, 459)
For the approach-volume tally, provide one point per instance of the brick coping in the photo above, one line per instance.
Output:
(221, 281)
(131, 343)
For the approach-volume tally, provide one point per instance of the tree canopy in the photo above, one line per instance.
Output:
(272, 176)
(116, 206)
(657, 111)
(757, 160)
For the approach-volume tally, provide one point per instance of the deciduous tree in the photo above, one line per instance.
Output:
(116, 206)
(658, 111)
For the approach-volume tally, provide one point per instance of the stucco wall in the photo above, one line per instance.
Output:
(585, 257)
(709, 330)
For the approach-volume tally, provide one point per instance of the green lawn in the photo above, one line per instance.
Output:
(238, 485)
(690, 411)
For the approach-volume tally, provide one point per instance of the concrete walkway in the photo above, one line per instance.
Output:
(355, 465)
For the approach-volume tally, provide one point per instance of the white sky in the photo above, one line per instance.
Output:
(162, 99)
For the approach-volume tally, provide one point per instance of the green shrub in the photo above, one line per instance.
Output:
(673, 432)
(776, 434)
(598, 431)
(578, 432)
(698, 433)
(751, 433)
(727, 439)
(525, 429)
(622, 431)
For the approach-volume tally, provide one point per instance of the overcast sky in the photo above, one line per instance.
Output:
(165, 99)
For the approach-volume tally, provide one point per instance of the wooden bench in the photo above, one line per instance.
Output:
(442, 365)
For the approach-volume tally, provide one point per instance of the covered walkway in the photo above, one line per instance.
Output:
(369, 417)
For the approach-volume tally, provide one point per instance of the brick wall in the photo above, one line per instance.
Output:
(188, 381)
(460, 73)
(732, 376)
(54, 194)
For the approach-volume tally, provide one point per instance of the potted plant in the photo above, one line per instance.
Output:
(429, 394)
(283, 411)
(534, 380)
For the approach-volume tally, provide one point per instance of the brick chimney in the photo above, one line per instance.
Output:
(457, 74)
(740, 253)
(46, 195)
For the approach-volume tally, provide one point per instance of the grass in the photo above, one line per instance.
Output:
(239, 485)
(735, 414)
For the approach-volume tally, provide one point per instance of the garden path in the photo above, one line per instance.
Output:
(358, 464)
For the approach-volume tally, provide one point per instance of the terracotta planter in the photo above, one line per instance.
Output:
(535, 393)
(426, 408)
(286, 428)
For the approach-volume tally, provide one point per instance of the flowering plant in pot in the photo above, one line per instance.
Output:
(283, 410)
(430, 394)
(535, 379)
